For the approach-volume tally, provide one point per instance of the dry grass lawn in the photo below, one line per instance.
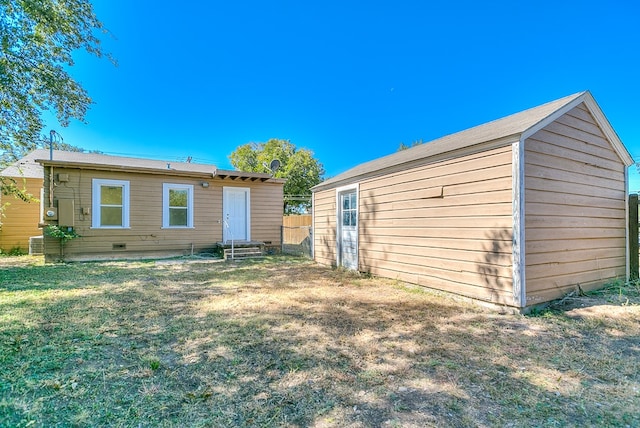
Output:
(284, 342)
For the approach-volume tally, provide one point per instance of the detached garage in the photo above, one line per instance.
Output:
(516, 212)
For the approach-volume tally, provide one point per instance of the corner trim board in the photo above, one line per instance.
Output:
(518, 255)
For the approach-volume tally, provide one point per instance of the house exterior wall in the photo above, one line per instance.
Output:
(575, 210)
(146, 237)
(20, 219)
(447, 225)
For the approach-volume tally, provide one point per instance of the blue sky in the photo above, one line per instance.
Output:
(349, 80)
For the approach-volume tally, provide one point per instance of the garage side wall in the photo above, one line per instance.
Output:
(447, 225)
(325, 227)
(574, 208)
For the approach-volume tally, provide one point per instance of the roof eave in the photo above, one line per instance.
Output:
(120, 168)
(468, 150)
(215, 173)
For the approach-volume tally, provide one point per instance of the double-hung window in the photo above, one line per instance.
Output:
(177, 205)
(110, 200)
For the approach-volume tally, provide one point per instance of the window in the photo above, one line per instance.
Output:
(349, 209)
(177, 205)
(110, 204)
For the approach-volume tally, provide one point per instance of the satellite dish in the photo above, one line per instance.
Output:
(274, 166)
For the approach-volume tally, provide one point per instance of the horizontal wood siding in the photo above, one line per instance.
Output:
(267, 207)
(325, 227)
(574, 208)
(446, 225)
(146, 237)
(20, 219)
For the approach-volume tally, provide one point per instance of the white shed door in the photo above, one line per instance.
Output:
(348, 229)
(236, 212)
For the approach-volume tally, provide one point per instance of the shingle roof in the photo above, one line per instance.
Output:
(509, 127)
(26, 167)
(31, 166)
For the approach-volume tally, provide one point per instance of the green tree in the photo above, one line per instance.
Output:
(298, 166)
(37, 39)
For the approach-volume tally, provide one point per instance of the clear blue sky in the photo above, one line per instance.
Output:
(349, 80)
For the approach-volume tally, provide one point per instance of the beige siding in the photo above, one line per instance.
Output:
(267, 206)
(446, 225)
(20, 219)
(325, 227)
(574, 208)
(146, 237)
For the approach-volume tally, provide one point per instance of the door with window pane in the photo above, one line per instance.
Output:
(348, 229)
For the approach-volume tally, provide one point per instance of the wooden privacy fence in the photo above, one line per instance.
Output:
(296, 234)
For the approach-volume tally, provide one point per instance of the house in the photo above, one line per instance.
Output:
(515, 212)
(20, 219)
(130, 208)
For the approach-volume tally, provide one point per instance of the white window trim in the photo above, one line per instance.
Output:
(165, 204)
(96, 184)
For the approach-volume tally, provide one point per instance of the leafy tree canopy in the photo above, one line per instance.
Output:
(37, 39)
(298, 166)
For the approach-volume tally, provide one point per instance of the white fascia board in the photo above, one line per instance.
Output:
(553, 116)
(608, 130)
(598, 115)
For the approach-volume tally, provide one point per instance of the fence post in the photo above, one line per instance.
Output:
(633, 237)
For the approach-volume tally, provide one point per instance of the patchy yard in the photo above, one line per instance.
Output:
(283, 342)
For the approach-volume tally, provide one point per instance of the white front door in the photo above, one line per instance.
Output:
(236, 211)
(347, 201)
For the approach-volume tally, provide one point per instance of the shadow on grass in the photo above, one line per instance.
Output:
(292, 344)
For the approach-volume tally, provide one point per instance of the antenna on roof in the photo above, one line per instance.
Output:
(274, 166)
(53, 136)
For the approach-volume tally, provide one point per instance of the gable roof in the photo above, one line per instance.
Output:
(27, 167)
(506, 130)
(33, 165)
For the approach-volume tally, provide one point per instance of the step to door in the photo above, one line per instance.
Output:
(242, 253)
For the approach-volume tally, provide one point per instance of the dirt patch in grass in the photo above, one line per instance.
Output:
(284, 342)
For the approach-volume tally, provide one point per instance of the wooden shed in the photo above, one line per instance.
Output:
(129, 207)
(516, 212)
(20, 220)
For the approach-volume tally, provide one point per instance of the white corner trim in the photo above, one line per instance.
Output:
(626, 225)
(313, 226)
(518, 238)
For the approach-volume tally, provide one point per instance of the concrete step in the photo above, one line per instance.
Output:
(243, 253)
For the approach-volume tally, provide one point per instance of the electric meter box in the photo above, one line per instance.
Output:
(66, 212)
